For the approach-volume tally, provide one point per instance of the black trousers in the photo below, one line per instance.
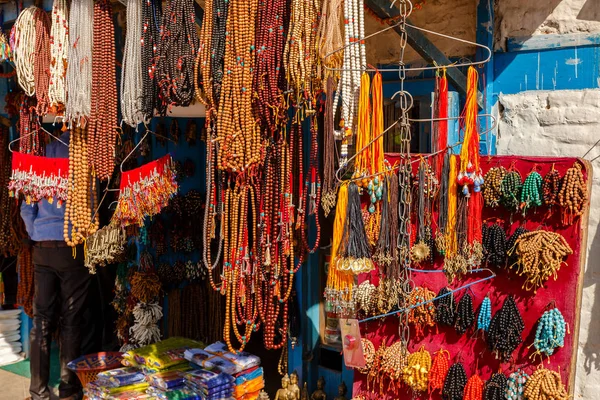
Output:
(61, 285)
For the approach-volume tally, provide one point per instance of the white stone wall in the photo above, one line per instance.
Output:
(565, 123)
(517, 18)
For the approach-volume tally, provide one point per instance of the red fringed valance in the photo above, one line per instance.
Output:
(38, 178)
(145, 191)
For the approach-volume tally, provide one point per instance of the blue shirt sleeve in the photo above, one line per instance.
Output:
(29, 213)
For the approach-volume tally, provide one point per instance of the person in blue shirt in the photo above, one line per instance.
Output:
(61, 285)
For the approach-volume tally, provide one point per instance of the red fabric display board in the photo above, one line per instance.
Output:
(471, 348)
(38, 178)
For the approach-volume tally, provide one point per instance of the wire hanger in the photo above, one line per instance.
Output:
(347, 162)
(134, 149)
(429, 68)
(33, 133)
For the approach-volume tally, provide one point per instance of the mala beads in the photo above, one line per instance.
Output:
(365, 297)
(24, 47)
(445, 307)
(456, 380)
(545, 384)
(393, 363)
(11, 224)
(79, 64)
(176, 54)
(59, 50)
(103, 116)
(492, 190)
(512, 241)
(474, 388)
(465, 316)
(422, 309)
(80, 204)
(506, 327)
(369, 354)
(550, 332)
(531, 193)
(495, 388)
(540, 256)
(150, 38)
(132, 86)
(145, 286)
(551, 187)
(416, 372)
(41, 62)
(511, 189)
(573, 195)
(26, 286)
(485, 315)
(494, 245)
(515, 386)
(439, 371)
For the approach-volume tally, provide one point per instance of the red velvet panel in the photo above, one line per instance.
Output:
(472, 350)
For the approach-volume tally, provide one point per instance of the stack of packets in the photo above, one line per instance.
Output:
(226, 375)
(154, 366)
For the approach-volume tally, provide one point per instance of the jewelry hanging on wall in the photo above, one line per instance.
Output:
(506, 327)
(573, 195)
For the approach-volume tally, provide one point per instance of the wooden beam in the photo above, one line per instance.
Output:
(552, 42)
(423, 46)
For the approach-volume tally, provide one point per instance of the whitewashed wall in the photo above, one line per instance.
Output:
(565, 123)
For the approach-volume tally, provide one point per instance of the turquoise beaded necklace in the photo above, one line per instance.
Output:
(485, 315)
(550, 333)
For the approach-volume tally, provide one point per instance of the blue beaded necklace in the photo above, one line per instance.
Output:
(550, 333)
(485, 315)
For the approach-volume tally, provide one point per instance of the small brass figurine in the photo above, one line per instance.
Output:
(294, 388)
(342, 390)
(319, 394)
(284, 393)
(305, 392)
(263, 395)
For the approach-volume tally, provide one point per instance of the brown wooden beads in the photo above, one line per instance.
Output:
(545, 384)
(573, 194)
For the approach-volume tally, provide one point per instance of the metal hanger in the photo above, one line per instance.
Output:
(345, 165)
(134, 149)
(32, 133)
(406, 69)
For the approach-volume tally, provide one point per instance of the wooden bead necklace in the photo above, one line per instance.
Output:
(573, 195)
(551, 187)
(29, 129)
(445, 307)
(416, 372)
(422, 310)
(531, 193)
(12, 228)
(80, 204)
(102, 131)
(506, 328)
(540, 255)
(456, 380)
(492, 189)
(439, 371)
(474, 388)
(465, 316)
(545, 384)
(41, 62)
(515, 386)
(495, 388)
(26, 286)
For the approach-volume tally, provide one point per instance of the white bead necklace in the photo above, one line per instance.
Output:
(59, 49)
(131, 76)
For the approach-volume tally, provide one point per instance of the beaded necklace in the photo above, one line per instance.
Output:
(474, 388)
(550, 332)
(545, 384)
(531, 194)
(516, 385)
(393, 363)
(79, 65)
(24, 33)
(465, 316)
(445, 307)
(494, 245)
(175, 55)
(510, 189)
(32, 137)
(422, 316)
(103, 116)
(10, 232)
(150, 37)
(59, 50)
(456, 380)
(132, 83)
(416, 372)
(495, 388)
(506, 327)
(551, 187)
(329, 149)
(492, 190)
(41, 63)
(573, 195)
(485, 315)
(439, 371)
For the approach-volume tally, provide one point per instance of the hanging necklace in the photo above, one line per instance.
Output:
(132, 82)
(59, 50)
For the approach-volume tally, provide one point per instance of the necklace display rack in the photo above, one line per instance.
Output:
(498, 283)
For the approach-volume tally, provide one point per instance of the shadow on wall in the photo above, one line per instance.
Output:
(590, 11)
(592, 278)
